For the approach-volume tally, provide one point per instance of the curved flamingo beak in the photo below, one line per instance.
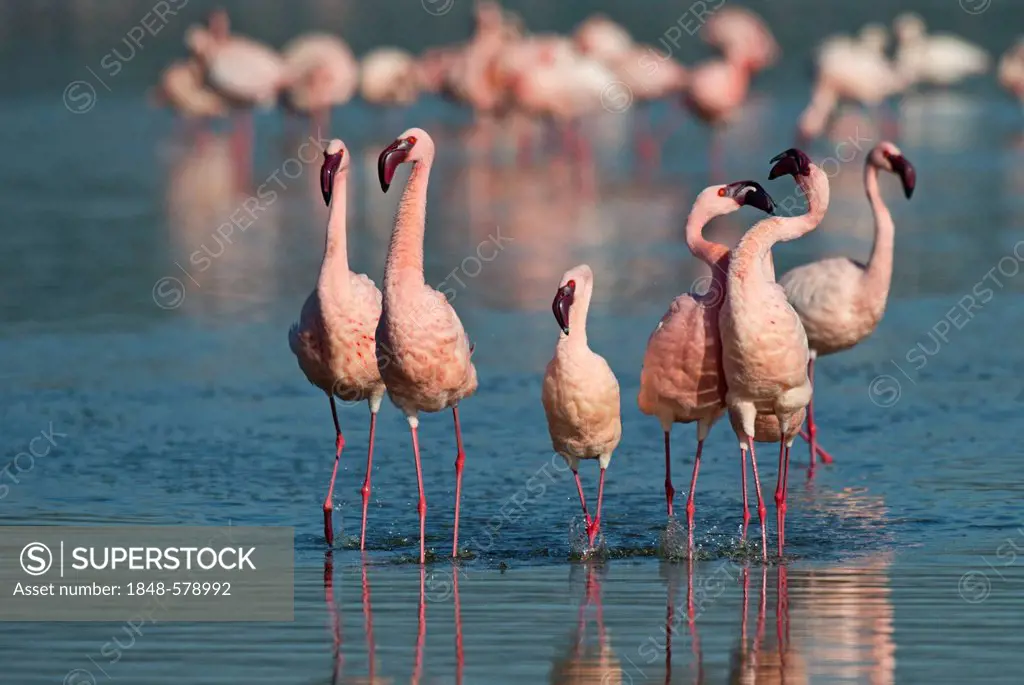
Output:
(560, 306)
(389, 159)
(793, 162)
(750, 193)
(905, 170)
(330, 166)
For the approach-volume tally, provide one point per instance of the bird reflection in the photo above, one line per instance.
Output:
(587, 663)
(758, 662)
(337, 677)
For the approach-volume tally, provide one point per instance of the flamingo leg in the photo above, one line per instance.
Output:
(690, 506)
(670, 492)
(583, 501)
(460, 459)
(780, 494)
(761, 510)
(368, 624)
(812, 428)
(743, 483)
(366, 483)
(825, 456)
(422, 506)
(459, 656)
(329, 501)
(595, 525)
(421, 631)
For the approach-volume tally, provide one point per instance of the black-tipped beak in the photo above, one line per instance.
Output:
(792, 162)
(905, 170)
(330, 166)
(389, 159)
(560, 306)
(751, 193)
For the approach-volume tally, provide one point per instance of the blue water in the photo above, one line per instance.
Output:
(178, 401)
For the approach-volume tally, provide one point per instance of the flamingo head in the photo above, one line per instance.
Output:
(793, 162)
(887, 156)
(334, 161)
(219, 24)
(909, 27)
(741, 194)
(578, 278)
(414, 145)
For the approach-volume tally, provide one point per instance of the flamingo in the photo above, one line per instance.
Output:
(423, 352)
(183, 89)
(1011, 70)
(742, 36)
(940, 59)
(602, 39)
(580, 392)
(334, 338)
(717, 89)
(764, 346)
(389, 77)
(322, 72)
(681, 380)
(840, 301)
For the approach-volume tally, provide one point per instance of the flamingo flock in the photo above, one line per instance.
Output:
(746, 348)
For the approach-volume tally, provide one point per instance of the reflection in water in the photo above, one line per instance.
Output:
(336, 623)
(586, 663)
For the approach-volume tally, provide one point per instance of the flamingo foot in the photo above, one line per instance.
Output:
(825, 457)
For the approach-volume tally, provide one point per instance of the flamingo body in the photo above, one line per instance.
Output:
(322, 72)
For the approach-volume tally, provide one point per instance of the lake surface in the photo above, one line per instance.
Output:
(157, 358)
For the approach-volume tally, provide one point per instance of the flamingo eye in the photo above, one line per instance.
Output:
(721, 192)
(411, 140)
(571, 284)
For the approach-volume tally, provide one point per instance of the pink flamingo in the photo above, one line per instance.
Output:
(322, 73)
(334, 338)
(182, 88)
(388, 77)
(742, 36)
(764, 346)
(840, 301)
(1011, 70)
(423, 352)
(717, 89)
(681, 380)
(580, 392)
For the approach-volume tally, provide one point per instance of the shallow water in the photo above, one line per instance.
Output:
(178, 401)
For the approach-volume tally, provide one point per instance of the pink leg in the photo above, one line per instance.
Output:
(670, 492)
(780, 494)
(583, 502)
(366, 483)
(761, 510)
(743, 483)
(826, 458)
(690, 506)
(595, 525)
(812, 428)
(329, 502)
(371, 645)
(422, 507)
(460, 459)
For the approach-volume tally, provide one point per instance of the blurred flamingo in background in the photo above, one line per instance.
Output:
(764, 347)
(334, 338)
(580, 392)
(182, 87)
(322, 73)
(840, 301)
(388, 77)
(939, 59)
(682, 380)
(1011, 70)
(743, 38)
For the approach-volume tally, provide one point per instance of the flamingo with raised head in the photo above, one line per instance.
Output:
(764, 346)
(423, 352)
(840, 301)
(681, 380)
(580, 391)
(334, 338)
(322, 73)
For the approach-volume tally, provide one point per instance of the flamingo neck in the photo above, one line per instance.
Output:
(879, 272)
(815, 115)
(335, 261)
(405, 254)
(755, 247)
(715, 255)
(577, 337)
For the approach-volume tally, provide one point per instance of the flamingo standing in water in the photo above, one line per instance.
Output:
(681, 380)
(423, 352)
(742, 36)
(940, 59)
(840, 301)
(580, 393)
(1011, 70)
(389, 77)
(322, 72)
(717, 89)
(183, 89)
(334, 338)
(764, 346)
